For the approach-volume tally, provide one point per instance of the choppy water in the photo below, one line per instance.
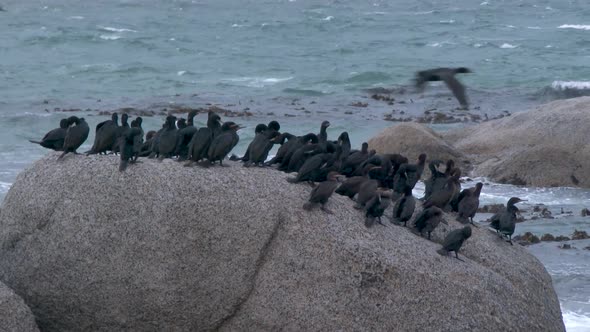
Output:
(309, 59)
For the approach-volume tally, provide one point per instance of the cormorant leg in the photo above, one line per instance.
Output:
(325, 209)
(429, 235)
(510, 239)
(379, 221)
(457, 257)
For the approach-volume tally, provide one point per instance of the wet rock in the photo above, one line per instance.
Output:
(585, 212)
(383, 98)
(580, 235)
(359, 104)
(527, 238)
(560, 238)
(541, 211)
(491, 208)
(171, 109)
(587, 248)
(389, 117)
(439, 117)
(547, 237)
(226, 248)
(565, 246)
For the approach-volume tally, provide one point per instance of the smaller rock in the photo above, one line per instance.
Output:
(547, 237)
(562, 238)
(565, 246)
(585, 212)
(382, 98)
(587, 248)
(359, 104)
(492, 208)
(527, 238)
(580, 235)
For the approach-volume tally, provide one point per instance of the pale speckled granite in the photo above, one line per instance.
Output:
(546, 146)
(165, 247)
(15, 316)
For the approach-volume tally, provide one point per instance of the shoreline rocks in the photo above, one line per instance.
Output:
(167, 247)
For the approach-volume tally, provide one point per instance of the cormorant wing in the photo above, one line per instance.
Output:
(421, 219)
(495, 221)
(457, 88)
(98, 126)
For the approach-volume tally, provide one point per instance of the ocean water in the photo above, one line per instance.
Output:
(300, 62)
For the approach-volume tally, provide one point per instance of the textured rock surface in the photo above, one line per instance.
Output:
(412, 139)
(165, 247)
(14, 313)
(547, 146)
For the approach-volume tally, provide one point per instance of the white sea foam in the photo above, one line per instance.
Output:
(76, 17)
(477, 45)
(506, 45)
(5, 185)
(235, 25)
(485, 3)
(424, 13)
(375, 13)
(534, 28)
(110, 37)
(575, 322)
(328, 18)
(447, 21)
(578, 85)
(574, 26)
(257, 82)
(111, 29)
(180, 73)
(440, 44)
(510, 26)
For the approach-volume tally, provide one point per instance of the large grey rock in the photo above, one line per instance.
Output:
(15, 316)
(546, 146)
(411, 139)
(165, 247)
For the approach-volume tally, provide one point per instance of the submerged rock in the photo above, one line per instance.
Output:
(166, 247)
(580, 235)
(527, 238)
(14, 313)
(546, 146)
(547, 237)
(492, 208)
